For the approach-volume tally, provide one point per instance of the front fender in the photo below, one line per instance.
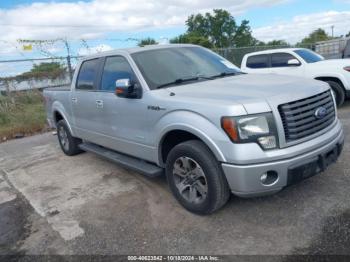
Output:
(341, 77)
(195, 124)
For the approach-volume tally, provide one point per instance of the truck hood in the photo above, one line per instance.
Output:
(331, 63)
(254, 92)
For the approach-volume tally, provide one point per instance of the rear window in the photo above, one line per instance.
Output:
(87, 75)
(258, 61)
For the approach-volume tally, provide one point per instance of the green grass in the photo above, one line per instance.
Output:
(22, 113)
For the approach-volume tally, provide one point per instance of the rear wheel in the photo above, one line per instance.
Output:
(68, 143)
(195, 178)
(338, 92)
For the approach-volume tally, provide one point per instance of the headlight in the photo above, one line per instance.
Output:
(259, 129)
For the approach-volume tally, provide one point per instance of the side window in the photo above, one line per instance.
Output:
(258, 61)
(116, 67)
(281, 59)
(87, 75)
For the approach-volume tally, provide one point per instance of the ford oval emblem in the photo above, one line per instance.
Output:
(320, 112)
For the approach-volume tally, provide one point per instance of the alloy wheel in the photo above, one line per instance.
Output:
(190, 180)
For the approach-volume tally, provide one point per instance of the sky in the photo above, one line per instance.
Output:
(108, 24)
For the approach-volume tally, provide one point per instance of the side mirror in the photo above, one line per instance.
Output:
(125, 88)
(293, 62)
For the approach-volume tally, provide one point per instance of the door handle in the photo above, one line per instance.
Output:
(74, 99)
(99, 103)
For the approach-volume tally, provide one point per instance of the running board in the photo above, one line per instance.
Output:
(129, 162)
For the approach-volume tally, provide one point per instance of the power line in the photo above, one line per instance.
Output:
(46, 25)
(70, 26)
(37, 59)
(128, 39)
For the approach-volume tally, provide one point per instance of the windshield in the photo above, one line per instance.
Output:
(169, 65)
(309, 56)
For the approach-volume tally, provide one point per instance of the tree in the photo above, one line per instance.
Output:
(45, 67)
(46, 70)
(147, 41)
(49, 70)
(221, 29)
(348, 34)
(277, 43)
(315, 36)
(243, 35)
(191, 38)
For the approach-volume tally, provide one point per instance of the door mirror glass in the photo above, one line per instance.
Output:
(123, 83)
(125, 88)
(293, 62)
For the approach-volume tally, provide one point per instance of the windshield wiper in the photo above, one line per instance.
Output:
(223, 74)
(180, 81)
(196, 78)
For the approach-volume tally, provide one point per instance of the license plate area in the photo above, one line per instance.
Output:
(313, 166)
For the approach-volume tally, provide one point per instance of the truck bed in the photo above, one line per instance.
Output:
(59, 95)
(60, 88)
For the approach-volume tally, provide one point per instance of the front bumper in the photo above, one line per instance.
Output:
(245, 180)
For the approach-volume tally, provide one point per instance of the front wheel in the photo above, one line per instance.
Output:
(68, 143)
(195, 178)
(338, 92)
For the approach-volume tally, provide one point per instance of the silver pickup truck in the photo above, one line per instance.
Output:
(185, 111)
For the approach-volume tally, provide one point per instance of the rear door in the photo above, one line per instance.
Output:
(279, 65)
(258, 64)
(85, 98)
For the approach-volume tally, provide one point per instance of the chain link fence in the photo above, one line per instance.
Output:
(12, 81)
(37, 73)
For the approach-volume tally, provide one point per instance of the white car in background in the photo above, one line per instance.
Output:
(302, 62)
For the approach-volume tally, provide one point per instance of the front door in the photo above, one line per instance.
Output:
(124, 121)
(280, 65)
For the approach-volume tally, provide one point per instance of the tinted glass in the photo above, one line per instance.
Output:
(281, 59)
(87, 74)
(258, 61)
(309, 56)
(116, 67)
(166, 65)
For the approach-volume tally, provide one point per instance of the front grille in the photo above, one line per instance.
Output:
(299, 117)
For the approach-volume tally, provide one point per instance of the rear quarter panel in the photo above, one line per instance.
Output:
(58, 101)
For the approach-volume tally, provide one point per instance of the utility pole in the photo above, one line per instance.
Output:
(332, 31)
(69, 64)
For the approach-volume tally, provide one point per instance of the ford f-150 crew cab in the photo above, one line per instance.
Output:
(185, 111)
(302, 62)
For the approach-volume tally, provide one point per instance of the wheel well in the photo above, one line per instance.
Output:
(57, 117)
(337, 80)
(173, 138)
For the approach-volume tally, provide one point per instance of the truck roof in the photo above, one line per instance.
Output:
(134, 50)
(269, 51)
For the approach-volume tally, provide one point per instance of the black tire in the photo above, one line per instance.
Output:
(217, 187)
(338, 92)
(72, 147)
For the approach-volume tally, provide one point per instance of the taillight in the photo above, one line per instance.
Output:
(347, 68)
